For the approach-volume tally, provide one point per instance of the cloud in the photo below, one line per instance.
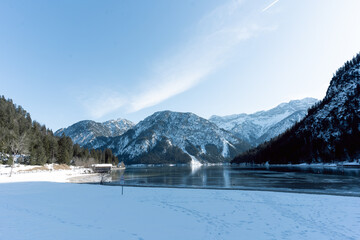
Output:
(104, 103)
(214, 39)
(270, 5)
(218, 33)
(176, 84)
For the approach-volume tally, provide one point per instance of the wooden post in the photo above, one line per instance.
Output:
(122, 180)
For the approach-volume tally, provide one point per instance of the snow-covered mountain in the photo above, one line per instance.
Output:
(330, 131)
(339, 111)
(261, 126)
(84, 132)
(173, 137)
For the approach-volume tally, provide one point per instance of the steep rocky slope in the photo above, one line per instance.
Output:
(330, 131)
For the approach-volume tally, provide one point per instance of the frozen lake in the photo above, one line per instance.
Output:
(319, 179)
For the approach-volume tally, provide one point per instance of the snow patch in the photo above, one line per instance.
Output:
(195, 162)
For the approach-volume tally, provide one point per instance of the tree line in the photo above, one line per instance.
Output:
(33, 143)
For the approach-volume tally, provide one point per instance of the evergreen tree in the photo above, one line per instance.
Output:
(37, 154)
(65, 150)
(19, 134)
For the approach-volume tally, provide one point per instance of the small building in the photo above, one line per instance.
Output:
(101, 168)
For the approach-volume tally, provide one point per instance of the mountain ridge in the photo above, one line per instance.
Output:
(263, 125)
(86, 131)
(174, 137)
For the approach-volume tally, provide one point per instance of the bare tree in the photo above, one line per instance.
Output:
(18, 145)
(104, 177)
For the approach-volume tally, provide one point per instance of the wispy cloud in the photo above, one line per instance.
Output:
(215, 38)
(218, 33)
(270, 5)
(176, 83)
(101, 104)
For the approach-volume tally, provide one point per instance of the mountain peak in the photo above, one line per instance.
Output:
(85, 131)
(263, 125)
(168, 113)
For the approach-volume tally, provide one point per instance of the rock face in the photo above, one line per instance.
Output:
(262, 126)
(173, 137)
(330, 131)
(84, 132)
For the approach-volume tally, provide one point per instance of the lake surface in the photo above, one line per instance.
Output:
(323, 180)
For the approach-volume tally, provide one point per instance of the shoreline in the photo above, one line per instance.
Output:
(81, 175)
(47, 173)
(340, 165)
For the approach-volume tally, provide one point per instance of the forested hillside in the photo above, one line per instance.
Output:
(32, 143)
(330, 131)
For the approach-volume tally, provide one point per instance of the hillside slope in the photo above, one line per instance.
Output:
(329, 132)
(26, 141)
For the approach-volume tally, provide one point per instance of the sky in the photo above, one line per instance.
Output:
(67, 61)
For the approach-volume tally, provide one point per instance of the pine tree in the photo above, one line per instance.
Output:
(65, 151)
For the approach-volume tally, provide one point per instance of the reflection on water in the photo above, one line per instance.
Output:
(288, 178)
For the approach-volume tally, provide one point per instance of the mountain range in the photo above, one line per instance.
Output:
(329, 132)
(261, 126)
(174, 137)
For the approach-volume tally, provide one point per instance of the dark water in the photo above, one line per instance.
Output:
(327, 180)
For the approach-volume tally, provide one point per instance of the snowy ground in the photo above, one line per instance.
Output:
(43, 210)
(46, 173)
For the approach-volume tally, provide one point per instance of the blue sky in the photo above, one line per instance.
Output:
(66, 61)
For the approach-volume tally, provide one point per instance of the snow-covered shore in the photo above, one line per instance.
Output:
(39, 203)
(43, 210)
(46, 173)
